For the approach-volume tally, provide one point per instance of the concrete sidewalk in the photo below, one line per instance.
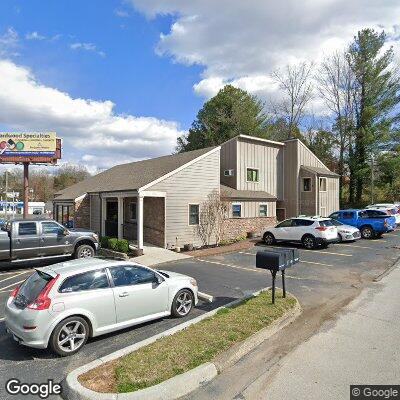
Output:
(362, 346)
(154, 255)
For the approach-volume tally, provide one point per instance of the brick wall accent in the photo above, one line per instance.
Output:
(82, 213)
(153, 221)
(234, 227)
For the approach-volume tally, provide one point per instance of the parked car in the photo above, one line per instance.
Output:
(346, 233)
(390, 209)
(64, 304)
(310, 231)
(371, 223)
(44, 238)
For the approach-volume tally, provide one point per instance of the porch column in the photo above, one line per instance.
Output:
(103, 216)
(120, 217)
(139, 222)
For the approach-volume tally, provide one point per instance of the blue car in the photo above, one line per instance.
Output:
(371, 223)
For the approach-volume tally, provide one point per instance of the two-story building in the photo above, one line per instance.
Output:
(159, 200)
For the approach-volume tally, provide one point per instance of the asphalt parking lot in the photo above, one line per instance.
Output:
(323, 276)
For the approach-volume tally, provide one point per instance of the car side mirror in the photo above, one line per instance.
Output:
(157, 279)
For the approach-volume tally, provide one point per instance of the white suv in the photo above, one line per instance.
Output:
(310, 231)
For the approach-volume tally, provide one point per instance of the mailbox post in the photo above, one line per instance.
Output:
(277, 259)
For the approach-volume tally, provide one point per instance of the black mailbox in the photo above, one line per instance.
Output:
(277, 259)
(272, 260)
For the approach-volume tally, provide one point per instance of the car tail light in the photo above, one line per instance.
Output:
(14, 293)
(43, 300)
(321, 228)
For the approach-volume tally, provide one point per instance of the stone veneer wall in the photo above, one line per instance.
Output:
(234, 227)
(82, 213)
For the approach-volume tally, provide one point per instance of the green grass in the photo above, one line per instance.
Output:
(187, 349)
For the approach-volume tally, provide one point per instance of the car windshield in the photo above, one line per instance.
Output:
(336, 223)
(30, 289)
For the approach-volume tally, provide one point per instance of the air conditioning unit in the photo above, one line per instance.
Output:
(229, 172)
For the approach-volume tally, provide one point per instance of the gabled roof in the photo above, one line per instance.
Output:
(320, 171)
(234, 194)
(131, 176)
(255, 139)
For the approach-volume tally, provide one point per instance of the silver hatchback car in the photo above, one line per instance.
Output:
(64, 304)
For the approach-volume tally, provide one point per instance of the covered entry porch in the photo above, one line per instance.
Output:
(135, 216)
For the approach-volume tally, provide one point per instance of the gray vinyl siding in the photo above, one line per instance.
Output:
(191, 185)
(329, 200)
(251, 209)
(297, 202)
(307, 200)
(291, 179)
(268, 159)
(95, 210)
(229, 161)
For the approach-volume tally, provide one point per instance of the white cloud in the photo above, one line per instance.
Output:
(9, 42)
(242, 42)
(34, 36)
(121, 13)
(89, 128)
(87, 47)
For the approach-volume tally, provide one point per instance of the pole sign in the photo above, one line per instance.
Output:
(27, 144)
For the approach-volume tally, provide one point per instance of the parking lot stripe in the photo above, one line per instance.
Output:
(248, 269)
(301, 261)
(359, 247)
(13, 284)
(329, 252)
(2, 319)
(392, 234)
(14, 276)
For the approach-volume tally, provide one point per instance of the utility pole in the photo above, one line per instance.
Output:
(372, 179)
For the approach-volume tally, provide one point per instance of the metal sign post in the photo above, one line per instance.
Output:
(26, 189)
(273, 273)
(283, 283)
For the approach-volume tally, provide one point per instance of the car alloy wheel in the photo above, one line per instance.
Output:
(367, 232)
(85, 252)
(309, 242)
(269, 239)
(71, 336)
(183, 303)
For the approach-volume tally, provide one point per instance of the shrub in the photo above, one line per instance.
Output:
(112, 244)
(104, 241)
(123, 246)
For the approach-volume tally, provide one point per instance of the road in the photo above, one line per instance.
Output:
(324, 281)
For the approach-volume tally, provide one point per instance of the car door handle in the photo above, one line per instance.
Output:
(124, 294)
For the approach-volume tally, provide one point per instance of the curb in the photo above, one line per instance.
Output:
(187, 382)
(208, 298)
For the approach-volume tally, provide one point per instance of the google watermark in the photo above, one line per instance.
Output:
(43, 390)
(374, 392)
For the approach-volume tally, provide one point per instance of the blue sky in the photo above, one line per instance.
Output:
(120, 80)
(130, 73)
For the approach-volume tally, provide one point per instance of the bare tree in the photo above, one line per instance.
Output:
(297, 91)
(335, 86)
(211, 219)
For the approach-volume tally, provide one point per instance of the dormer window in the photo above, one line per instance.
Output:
(252, 175)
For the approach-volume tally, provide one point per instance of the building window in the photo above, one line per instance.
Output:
(306, 184)
(229, 172)
(322, 184)
(252, 175)
(263, 210)
(236, 210)
(193, 214)
(132, 211)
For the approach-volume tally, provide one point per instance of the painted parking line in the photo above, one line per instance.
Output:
(13, 284)
(357, 246)
(2, 319)
(15, 271)
(392, 234)
(14, 276)
(262, 271)
(329, 252)
(301, 261)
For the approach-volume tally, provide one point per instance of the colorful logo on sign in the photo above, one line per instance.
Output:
(27, 144)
